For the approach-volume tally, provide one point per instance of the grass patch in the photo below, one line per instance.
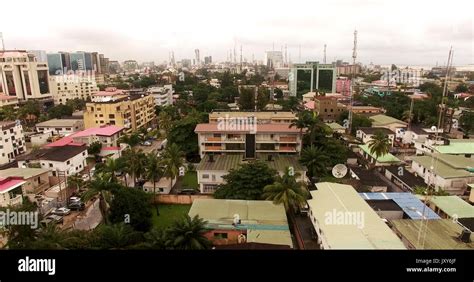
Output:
(190, 180)
(168, 215)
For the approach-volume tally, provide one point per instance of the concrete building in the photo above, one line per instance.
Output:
(69, 159)
(328, 108)
(343, 220)
(384, 160)
(336, 127)
(451, 207)
(36, 179)
(11, 191)
(404, 179)
(64, 88)
(273, 59)
(116, 107)
(391, 123)
(348, 69)
(39, 54)
(275, 117)
(343, 86)
(12, 141)
(365, 110)
(237, 221)
(451, 173)
(21, 75)
(62, 127)
(6, 100)
(322, 77)
(107, 135)
(163, 95)
(365, 134)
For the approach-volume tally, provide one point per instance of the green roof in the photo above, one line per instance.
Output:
(447, 166)
(335, 126)
(457, 147)
(227, 162)
(453, 206)
(263, 221)
(437, 234)
(380, 120)
(387, 158)
(332, 199)
(24, 173)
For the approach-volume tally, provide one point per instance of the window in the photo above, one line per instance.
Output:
(161, 190)
(50, 165)
(213, 177)
(111, 116)
(68, 162)
(220, 235)
(205, 176)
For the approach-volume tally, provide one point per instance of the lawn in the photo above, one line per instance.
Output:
(168, 214)
(190, 180)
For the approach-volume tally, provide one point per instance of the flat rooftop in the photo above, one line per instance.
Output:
(58, 123)
(457, 146)
(409, 203)
(447, 166)
(453, 206)
(387, 158)
(24, 173)
(246, 128)
(381, 120)
(334, 197)
(264, 221)
(438, 234)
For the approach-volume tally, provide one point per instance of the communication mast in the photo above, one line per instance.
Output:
(3, 42)
(324, 60)
(354, 56)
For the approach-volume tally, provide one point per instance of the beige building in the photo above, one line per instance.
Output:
(12, 141)
(21, 75)
(8, 100)
(328, 108)
(64, 88)
(60, 126)
(117, 107)
(260, 117)
(36, 179)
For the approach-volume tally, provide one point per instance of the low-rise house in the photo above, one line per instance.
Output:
(163, 95)
(451, 207)
(336, 127)
(12, 141)
(391, 123)
(107, 135)
(36, 179)
(439, 234)
(384, 160)
(11, 191)
(463, 147)
(404, 179)
(398, 206)
(451, 173)
(239, 221)
(40, 138)
(62, 127)
(365, 110)
(343, 220)
(367, 180)
(69, 159)
(162, 186)
(367, 133)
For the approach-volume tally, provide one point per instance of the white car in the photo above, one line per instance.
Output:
(61, 211)
(74, 199)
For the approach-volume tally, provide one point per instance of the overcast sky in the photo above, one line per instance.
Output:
(413, 32)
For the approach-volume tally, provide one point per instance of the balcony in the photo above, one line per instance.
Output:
(213, 148)
(288, 139)
(213, 139)
(17, 200)
(287, 149)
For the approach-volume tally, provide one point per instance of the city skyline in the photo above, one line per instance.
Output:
(385, 37)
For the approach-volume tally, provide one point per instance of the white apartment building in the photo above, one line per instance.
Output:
(163, 95)
(64, 88)
(12, 141)
(11, 191)
(451, 173)
(69, 159)
(21, 75)
(60, 126)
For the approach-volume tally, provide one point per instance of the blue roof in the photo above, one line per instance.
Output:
(409, 203)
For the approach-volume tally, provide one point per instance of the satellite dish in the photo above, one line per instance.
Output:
(339, 171)
(433, 128)
(236, 219)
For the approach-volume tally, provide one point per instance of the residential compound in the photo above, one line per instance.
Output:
(64, 88)
(12, 141)
(21, 75)
(233, 138)
(118, 107)
(60, 126)
(328, 108)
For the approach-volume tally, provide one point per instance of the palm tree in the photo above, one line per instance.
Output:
(379, 145)
(135, 160)
(316, 160)
(118, 236)
(112, 167)
(76, 180)
(287, 191)
(102, 186)
(188, 234)
(155, 239)
(154, 169)
(165, 121)
(172, 161)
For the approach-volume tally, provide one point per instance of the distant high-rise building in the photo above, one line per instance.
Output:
(208, 60)
(274, 59)
(186, 63)
(39, 54)
(55, 63)
(114, 67)
(130, 65)
(198, 59)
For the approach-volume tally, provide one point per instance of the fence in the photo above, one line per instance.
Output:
(179, 199)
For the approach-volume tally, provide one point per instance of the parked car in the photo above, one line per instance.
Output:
(74, 199)
(77, 206)
(52, 219)
(188, 192)
(146, 143)
(61, 211)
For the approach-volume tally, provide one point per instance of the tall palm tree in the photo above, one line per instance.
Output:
(154, 169)
(102, 186)
(112, 167)
(287, 191)
(75, 180)
(379, 145)
(188, 234)
(316, 160)
(118, 236)
(172, 160)
(135, 160)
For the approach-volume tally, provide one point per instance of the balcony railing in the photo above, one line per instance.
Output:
(287, 139)
(213, 138)
(17, 200)
(287, 149)
(213, 148)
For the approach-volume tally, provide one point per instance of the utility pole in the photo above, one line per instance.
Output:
(3, 42)
(445, 88)
(354, 56)
(324, 60)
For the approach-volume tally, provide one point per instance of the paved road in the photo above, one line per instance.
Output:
(91, 219)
